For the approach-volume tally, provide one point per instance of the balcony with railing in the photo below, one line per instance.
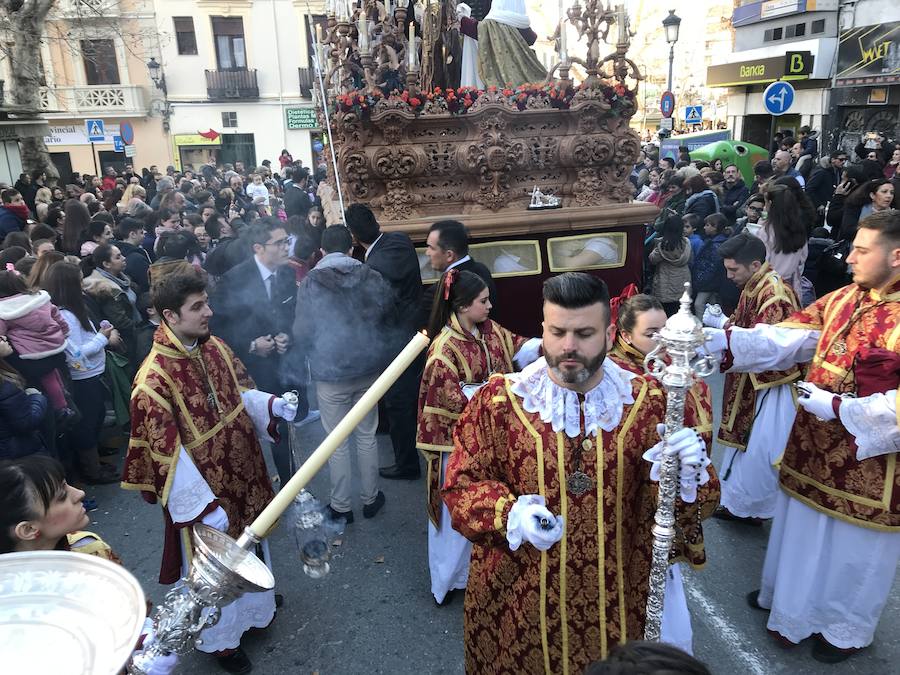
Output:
(121, 99)
(307, 81)
(229, 85)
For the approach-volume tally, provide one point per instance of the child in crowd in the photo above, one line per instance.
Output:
(257, 189)
(709, 270)
(692, 223)
(38, 333)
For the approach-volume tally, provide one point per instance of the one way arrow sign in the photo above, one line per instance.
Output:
(778, 97)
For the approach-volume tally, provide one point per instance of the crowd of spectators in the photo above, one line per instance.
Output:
(76, 264)
(803, 206)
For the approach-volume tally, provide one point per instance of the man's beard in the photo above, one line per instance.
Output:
(588, 367)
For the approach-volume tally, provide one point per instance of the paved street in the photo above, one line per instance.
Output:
(374, 612)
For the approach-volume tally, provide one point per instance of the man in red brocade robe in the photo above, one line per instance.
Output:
(548, 482)
(195, 417)
(835, 540)
(758, 409)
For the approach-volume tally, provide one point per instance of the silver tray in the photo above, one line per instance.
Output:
(65, 613)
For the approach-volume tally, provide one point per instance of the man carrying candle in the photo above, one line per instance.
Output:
(549, 482)
(195, 418)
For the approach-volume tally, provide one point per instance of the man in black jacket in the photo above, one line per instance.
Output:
(447, 247)
(253, 306)
(296, 199)
(394, 256)
(129, 235)
(823, 181)
(735, 193)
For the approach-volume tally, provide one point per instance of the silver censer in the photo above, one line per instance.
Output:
(677, 364)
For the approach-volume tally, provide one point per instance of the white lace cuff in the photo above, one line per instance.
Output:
(690, 477)
(469, 390)
(528, 353)
(766, 347)
(190, 493)
(873, 422)
(257, 403)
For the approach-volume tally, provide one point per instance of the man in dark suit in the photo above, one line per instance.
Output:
(394, 256)
(253, 306)
(447, 247)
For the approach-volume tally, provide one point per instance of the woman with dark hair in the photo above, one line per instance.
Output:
(98, 232)
(111, 199)
(870, 197)
(112, 293)
(86, 361)
(285, 159)
(306, 251)
(785, 235)
(175, 248)
(56, 218)
(22, 411)
(466, 349)
(75, 226)
(701, 199)
(807, 208)
(671, 262)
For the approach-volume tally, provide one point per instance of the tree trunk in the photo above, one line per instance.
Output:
(26, 23)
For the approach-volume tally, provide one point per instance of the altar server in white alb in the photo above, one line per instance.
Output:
(835, 540)
(758, 409)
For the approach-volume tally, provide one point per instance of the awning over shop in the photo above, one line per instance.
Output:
(806, 60)
(869, 55)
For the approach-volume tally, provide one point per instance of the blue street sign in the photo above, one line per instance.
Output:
(778, 97)
(667, 104)
(118, 145)
(693, 114)
(126, 131)
(94, 130)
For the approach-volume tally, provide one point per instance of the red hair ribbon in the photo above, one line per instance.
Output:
(449, 278)
(629, 291)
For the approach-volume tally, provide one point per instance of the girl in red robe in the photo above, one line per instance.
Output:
(466, 349)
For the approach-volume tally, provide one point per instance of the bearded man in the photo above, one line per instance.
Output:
(835, 540)
(548, 480)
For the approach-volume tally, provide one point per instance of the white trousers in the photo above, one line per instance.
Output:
(751, 488)
(824, 575)
(448, 551)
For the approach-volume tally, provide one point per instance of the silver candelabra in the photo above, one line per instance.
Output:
(677, 364)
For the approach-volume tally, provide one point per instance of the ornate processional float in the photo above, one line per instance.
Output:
(415, 145)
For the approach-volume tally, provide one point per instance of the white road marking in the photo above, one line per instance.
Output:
(754, 661)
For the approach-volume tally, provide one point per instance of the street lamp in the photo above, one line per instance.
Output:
(671, 24)
(156, 74)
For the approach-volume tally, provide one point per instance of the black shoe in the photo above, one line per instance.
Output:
(238, 662)
(722, 513)
(279, 600)
(369, 510)
(346, 516)
(825, 652)
(448, 599)
(753, 600)
(394, 472)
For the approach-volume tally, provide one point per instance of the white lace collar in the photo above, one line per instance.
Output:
(560, 408)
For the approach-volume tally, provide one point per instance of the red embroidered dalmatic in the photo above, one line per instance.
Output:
(193, 400)
(455, 358)
(528, 611)
(819, 466)
(765, 299)
(688, 545)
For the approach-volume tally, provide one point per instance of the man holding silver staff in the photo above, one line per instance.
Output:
(195, 418)
(835, 540)
(548, 480)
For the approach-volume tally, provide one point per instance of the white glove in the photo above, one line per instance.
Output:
(469, 390)
(462, 9)
(816, 401)
(524, 524)
(216, 519)
(714, 317)
(716, 340)
(693, 460)
(286, 411)
(163, 664)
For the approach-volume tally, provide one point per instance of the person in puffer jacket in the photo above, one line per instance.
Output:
(21, 412)
(709, 272)
(38, 333)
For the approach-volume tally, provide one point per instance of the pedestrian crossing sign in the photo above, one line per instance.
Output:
(693, 114)
(95, 131)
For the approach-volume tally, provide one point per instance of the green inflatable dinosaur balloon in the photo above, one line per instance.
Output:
(741, 154)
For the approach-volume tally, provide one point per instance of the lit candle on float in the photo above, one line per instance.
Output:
(270, 515)
(411, 60)
(562, 38)
(363, 27)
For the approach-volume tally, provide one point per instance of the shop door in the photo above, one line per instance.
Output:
(238, 148)
(63, 163)
(116, 160)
